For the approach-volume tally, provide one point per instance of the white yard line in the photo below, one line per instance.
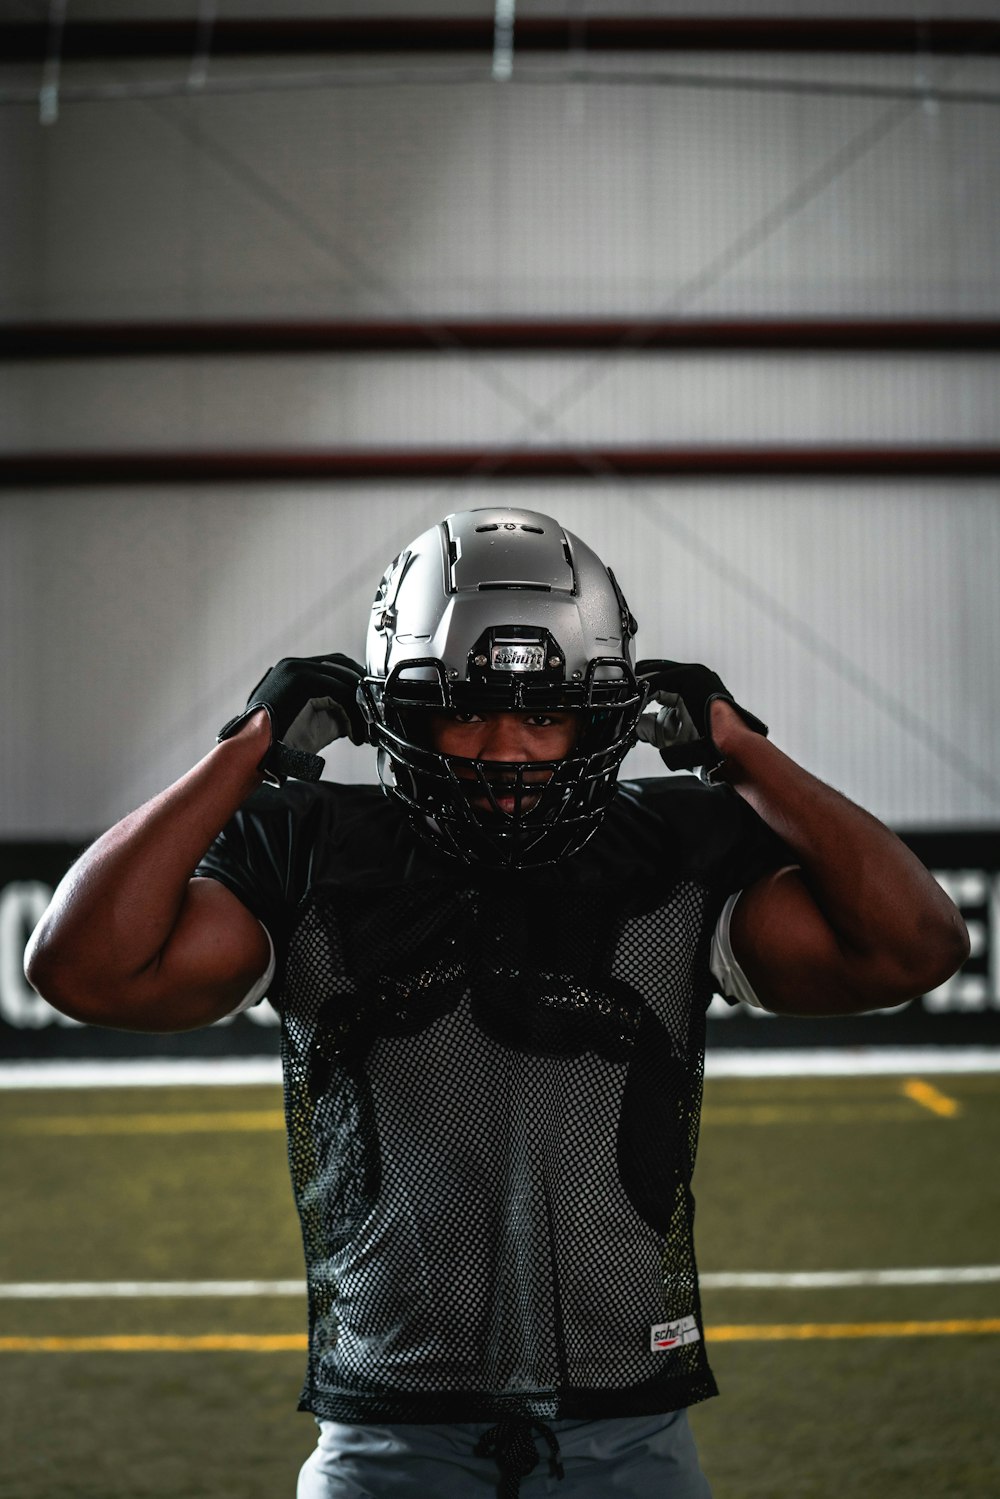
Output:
(822, 1280)
(169, 1072)
(847, 1061)
(743, 1280)
(56, 1290)
(871, 1061)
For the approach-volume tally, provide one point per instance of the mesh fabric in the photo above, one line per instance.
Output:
(493, 1091)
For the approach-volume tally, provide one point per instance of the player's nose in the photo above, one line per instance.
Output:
(504, 738)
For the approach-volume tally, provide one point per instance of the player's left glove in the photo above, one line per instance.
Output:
(681, 728)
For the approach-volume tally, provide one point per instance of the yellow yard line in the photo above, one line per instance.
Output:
(750, 1332)
(142, 1343)
(219, 1121)
(931, 1098)
(862, 1089)
(779, 1113)
(224, 1121)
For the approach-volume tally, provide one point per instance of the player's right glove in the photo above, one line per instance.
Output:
(310, 701)
(681, 728)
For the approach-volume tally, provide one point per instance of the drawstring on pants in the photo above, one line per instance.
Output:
(512, 1442)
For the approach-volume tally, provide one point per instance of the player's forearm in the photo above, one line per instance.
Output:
(114, 911)
(884, 908)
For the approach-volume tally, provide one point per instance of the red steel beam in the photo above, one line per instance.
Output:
(27, 41)
(33, 469)
(62, 340)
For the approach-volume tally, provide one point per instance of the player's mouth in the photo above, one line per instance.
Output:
(506, 796)
(507, 803)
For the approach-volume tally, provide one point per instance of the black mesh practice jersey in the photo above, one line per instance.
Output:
(493, 1086)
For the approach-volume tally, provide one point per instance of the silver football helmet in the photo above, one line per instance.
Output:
(501, 610)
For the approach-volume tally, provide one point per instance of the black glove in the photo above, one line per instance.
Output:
(681, 730)
(311, 701)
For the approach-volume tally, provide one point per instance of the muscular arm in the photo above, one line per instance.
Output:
(130, 939)
(859, 924)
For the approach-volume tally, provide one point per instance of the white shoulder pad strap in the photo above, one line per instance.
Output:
(260, 988)
(733, 982)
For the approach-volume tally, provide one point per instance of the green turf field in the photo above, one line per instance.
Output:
(828, 1393)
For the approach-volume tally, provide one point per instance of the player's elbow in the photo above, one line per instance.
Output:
(69, 980)
(41, 966)
(943, 949)
(932, 955)
(113, 1002)
(59, 983)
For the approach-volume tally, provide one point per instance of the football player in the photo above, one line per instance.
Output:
(492, 972)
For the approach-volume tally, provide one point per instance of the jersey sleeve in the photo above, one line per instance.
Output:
(751, 849)
(680, 826)
(264, 855)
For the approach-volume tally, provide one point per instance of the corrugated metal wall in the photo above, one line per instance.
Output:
(783, 188)
(861, 618)
(864, 625)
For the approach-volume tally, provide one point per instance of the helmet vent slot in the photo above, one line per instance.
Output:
(535, 587)
(492, 527)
